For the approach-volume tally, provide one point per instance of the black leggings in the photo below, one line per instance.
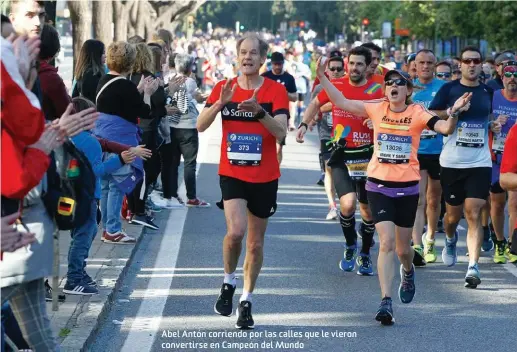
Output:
(152, 168)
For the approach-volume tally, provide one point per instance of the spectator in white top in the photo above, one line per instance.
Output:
(184, 138)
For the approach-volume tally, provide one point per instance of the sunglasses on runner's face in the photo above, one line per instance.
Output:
(469, 61)
(510, 71)
(443, 75)
(338, 69)
(399, 82)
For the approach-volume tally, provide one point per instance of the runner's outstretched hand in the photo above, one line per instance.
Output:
(251, 105)
(463, 103)
(227, 92)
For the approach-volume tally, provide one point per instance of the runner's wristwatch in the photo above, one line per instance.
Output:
(303, 124)
(260, 115)
(455, 114)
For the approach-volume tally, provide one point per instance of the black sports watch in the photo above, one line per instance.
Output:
(303, 124)
(260, 115)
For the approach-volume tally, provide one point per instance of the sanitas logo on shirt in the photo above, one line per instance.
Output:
(235, 113)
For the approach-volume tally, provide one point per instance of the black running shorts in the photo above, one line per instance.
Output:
(401, 210)
(459, 184)
(496, 188)
(325, 150)
(344, 184)
(261, 197)
(430, 163)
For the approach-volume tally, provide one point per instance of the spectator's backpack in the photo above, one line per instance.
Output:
(71, 187)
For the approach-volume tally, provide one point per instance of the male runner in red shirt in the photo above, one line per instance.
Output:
(254, 112)
(349, 164)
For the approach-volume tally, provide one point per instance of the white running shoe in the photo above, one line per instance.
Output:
(332, 215)
(174, 203)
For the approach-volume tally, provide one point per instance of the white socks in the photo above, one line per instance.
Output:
(472, 263)
(230, 279)
(246, 296)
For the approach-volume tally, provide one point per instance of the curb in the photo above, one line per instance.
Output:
(81, 339)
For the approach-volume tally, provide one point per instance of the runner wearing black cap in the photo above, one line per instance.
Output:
(279, 75)
(500, 61)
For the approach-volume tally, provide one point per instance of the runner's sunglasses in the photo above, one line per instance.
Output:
(470, 61)
(510, 71)
(443, 75)
(338, 69)
(399, 82)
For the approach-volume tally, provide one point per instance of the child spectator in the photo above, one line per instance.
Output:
(78, 282)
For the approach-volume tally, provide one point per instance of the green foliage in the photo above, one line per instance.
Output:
(493, 21)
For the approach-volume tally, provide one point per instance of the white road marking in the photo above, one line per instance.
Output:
(142, 329)
(511, 268)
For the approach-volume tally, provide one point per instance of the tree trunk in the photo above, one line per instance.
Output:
(102, 21)
(121, 12)
(140, 18)
(81, 24)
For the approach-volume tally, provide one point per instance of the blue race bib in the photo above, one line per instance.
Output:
(393, 149)
(244, 149)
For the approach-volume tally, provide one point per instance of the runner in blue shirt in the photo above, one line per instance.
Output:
(431, 143)
(465, 160)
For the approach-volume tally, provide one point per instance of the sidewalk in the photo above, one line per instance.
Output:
(77, 317)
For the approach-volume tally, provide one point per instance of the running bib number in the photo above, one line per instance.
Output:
(498, 143)
(393, 149)
(244, 149)
(471, 135)
(357, 168)
(428, 134)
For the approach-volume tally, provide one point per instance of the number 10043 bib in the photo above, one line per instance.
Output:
(393, 149)
(244, 149)
(471, 135)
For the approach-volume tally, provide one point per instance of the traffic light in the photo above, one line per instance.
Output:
(302, 24)
(366, 21)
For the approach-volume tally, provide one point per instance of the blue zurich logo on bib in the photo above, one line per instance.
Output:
(244, 149)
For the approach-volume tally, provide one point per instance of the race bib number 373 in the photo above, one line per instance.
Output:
(470, 135)
(244, 149)
(393, 149)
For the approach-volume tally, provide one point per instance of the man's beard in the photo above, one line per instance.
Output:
(357, 79)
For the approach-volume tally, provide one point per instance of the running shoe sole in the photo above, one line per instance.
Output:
(120, 242)
(143, 223)
(77, 293)
(385, 319)
(224, 315)
(472, 281)
(364, 274)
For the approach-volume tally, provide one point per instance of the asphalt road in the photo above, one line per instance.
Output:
(302, 301)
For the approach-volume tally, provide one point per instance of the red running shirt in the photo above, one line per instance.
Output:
(509, 162)
(360, 134)
(248, 149)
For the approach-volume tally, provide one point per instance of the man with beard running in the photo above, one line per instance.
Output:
(335, 70)
(350, 158)
(254, 114)
(278, 74)
(429, 151)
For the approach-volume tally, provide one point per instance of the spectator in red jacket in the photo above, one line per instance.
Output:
(55, 96)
